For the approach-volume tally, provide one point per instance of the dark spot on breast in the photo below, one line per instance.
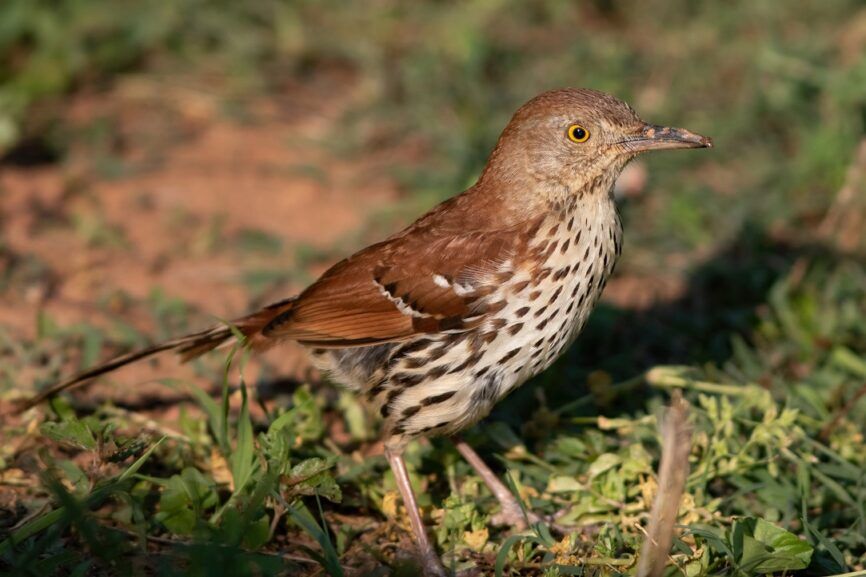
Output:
(562, 272)
(406, 380)
(410, 412)
(498, 323)
(416, 362)
(570, 224)
(436, 399)
(504, 276)
(433, 427)
(412, 347)
(515, 328)
(475, 343)
(555, 295)
(374, 391)
(521, 312)
(542, 274)
(565, 246)
(534, 295)
(519, 287)
(540, 311)
(541, 325)
(473, 359)
(454, 340)
(481, 372)
(509, 355)
(437, 372)
(438, 352)
(386, 407)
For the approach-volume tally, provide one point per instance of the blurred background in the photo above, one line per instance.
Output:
(163, 164)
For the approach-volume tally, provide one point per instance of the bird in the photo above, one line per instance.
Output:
(434, 325)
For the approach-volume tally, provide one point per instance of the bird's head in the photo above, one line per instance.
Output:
(577, 140)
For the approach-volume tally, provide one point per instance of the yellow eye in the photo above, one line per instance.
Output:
(577, 133)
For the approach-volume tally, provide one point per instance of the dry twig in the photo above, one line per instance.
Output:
(676, 434)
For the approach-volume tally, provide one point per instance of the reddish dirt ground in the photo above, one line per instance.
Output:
(192, 180)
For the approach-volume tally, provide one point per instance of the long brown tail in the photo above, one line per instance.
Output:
(187, 347)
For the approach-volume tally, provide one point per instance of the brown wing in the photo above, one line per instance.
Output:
(410, 284)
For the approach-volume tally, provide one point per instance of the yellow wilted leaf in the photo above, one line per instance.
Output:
(389, 504)
(476, 539)
(220, 469)
(648, 489)
(563, 549)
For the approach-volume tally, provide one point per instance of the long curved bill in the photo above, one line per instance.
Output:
(654, 137)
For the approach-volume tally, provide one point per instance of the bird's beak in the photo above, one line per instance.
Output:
(654, 137)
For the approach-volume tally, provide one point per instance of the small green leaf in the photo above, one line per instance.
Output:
(258, 533)
(243, 459)
(604, 462)
(302, 516)
(183, 500)
(311, 477)
(762, 547)
(71, 432)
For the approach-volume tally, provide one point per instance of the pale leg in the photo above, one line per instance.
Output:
(430, 560)
(511, 514)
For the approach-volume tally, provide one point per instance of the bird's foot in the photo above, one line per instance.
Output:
(432, 565)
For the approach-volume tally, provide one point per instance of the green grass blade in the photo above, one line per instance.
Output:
(302, 516)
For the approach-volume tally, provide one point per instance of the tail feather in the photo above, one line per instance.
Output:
(187, 347)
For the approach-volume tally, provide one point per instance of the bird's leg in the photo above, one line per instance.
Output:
(430, 560)
(512, 513)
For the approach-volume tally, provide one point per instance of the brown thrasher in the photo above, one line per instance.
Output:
(440, 321)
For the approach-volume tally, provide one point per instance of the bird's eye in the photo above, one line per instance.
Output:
(577, 133)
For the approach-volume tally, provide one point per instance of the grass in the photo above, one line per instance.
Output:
(776, 481)
(764, 335)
